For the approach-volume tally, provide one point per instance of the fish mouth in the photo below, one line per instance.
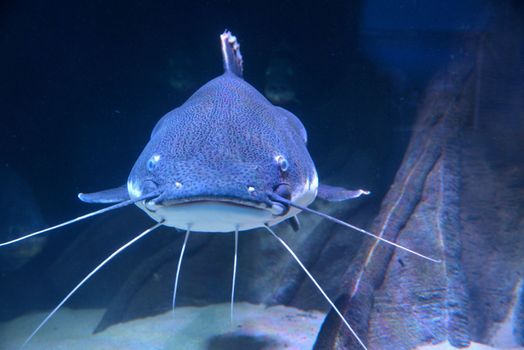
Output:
(213, 213)
(275, 208)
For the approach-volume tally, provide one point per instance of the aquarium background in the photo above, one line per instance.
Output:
(82, 84)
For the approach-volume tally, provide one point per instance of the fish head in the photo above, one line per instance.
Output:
(214, 169)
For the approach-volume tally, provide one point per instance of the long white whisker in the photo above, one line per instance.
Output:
(80, 218)
(317, 285)
(178, 266)
(95, 270)
(343, 223)
(234, 273)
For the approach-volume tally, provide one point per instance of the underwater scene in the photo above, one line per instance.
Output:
(271, 175)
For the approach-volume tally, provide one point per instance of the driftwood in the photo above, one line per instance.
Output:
(459, 197)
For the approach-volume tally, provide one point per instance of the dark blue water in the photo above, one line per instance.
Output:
(83, 84)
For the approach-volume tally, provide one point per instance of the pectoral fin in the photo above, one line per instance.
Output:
(113, 195)
(294, 223)
(338, 194)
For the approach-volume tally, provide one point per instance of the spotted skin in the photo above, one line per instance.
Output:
(222, 140)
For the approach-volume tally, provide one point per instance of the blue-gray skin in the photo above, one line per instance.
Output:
(20, 214)
(224, 139)
(226, 144)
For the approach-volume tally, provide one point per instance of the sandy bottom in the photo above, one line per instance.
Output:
(473, 346)
(188, 328)
(191, 328)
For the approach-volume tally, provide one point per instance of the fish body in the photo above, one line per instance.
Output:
(227, 160)
(214, 163)
(221, 152)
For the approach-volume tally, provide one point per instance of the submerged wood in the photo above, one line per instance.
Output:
(458, 196)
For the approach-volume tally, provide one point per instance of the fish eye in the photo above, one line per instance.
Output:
(282, 163)
(152, 162)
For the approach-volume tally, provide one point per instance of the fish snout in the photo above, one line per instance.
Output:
(184, 192)
(224, 180)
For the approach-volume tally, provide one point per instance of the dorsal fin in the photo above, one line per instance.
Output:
(231, 53)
